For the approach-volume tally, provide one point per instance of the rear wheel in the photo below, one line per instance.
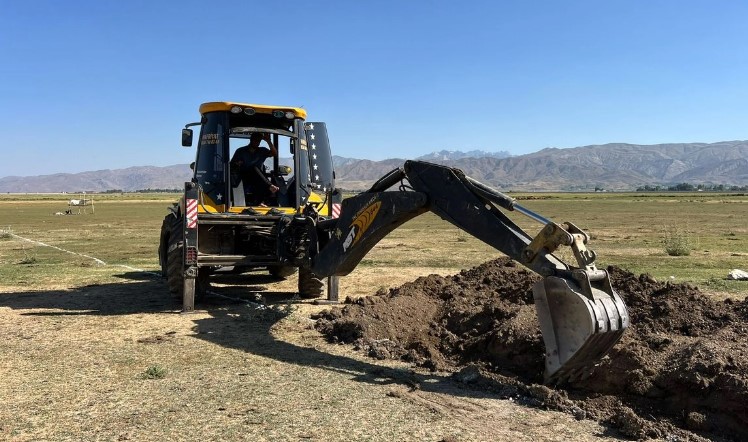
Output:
(310, 286)
(163, 244)
(175, 265)
(174, 258)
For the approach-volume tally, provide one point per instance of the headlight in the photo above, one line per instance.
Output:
(236, 109)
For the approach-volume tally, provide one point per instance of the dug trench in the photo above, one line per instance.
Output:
(680, 372)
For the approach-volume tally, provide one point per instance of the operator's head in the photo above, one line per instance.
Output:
(255, 139)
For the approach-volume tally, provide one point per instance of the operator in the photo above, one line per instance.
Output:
(250, 160)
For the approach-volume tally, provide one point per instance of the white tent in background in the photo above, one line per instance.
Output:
(80, 205)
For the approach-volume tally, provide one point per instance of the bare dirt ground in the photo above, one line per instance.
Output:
(680, 372)
(75, 360)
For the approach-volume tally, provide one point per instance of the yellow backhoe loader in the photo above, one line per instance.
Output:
(290, 217)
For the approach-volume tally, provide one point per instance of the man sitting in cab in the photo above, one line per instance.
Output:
(249, 160)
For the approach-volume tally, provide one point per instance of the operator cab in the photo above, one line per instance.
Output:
(249, 183)
(301, 170)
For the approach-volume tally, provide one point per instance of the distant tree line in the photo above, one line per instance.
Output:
(158, 190)
(141, 191)
(687, 187)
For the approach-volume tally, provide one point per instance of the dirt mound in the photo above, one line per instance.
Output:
(681, 368)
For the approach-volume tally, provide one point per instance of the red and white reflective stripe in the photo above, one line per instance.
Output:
(191, 213)
(335, 210)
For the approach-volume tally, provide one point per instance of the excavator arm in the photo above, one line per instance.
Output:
(581, 316)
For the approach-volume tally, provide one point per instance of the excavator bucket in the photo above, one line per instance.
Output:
(580, 324)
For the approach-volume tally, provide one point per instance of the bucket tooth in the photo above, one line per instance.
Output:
(578, 329)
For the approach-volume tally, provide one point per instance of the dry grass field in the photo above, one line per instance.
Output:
(94, 347)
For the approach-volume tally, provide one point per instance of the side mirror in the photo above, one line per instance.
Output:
(186, 137)
(192, 165)
(284, 170)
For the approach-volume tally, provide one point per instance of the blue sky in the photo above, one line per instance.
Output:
(88, 85)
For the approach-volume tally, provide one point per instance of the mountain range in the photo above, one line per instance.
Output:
(448, 155)
(609, 166)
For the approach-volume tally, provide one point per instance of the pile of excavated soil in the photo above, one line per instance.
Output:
(681, 370)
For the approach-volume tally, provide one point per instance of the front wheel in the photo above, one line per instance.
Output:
(310, 286)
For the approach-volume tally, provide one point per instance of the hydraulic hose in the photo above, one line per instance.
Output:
(387, 181)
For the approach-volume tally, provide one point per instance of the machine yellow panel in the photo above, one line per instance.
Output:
(225, 106)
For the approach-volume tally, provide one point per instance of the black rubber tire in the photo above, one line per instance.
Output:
(281, 272)
(202, 285)
(163, 244)
(174, 257)
(310, 286)
(175, 267)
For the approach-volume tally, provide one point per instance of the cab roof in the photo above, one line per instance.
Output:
(215, 106)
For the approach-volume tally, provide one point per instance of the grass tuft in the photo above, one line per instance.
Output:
(154, 372)
(286, 309)
(28, 258)
(677, 242)
(6, 233)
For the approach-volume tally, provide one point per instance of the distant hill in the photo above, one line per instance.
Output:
(626, 166)
(610, 166)
(130, 179)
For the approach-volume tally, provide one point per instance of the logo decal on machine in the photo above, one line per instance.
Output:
(361, 224)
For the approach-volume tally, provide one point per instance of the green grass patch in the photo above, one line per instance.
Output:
(677, 242)
(154, 372)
